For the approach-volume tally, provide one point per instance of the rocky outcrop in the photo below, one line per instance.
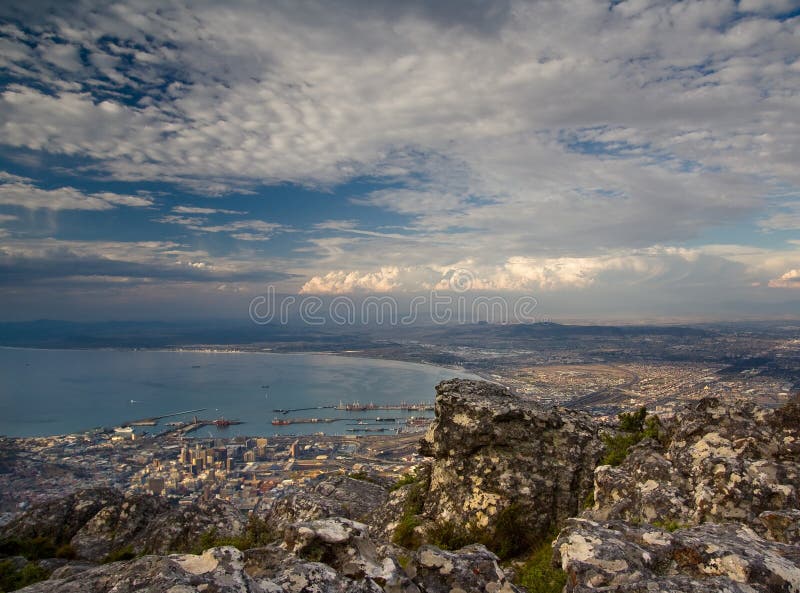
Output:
(332, 555)
(60, 519)
(472, 568)
(719, 462)
(335, 496)
(98, 522)
(702, 559)
(506, 467)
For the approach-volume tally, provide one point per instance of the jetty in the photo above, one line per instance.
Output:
(153, 420)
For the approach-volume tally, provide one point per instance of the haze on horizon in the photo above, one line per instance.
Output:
(616, 160)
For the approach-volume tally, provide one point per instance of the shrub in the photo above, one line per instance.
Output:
(538, 575)
(633, 427)
(449, 535)
(668, 525)
(404, 534)
(13, 578)
(407, 479)
(33, 548)
(67, 552)
(120, 554)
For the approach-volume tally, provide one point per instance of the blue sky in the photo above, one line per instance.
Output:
(631, 160)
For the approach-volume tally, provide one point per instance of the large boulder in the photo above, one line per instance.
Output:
(702, 559)
(218, 569)
(334, 496)
(715, 462)
(472, 568)
(61, 518)
(504, 467)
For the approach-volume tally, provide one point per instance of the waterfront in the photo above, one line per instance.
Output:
(44, 392)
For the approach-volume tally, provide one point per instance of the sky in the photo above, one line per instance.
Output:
(629, 160)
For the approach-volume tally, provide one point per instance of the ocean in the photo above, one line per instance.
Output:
(47, 392)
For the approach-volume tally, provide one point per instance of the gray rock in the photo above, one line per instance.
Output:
(620, 557)
(336, 496)
(220, 570)
(494, 453)
(473, 568)
(730, 461)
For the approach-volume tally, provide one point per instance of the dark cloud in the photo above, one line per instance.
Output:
(63, 265)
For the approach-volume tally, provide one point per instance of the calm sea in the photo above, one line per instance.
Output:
(45, 392)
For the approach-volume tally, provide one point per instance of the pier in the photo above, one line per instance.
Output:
(153, 420)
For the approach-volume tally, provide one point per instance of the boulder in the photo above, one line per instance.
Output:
(702, 559)
(506, 467)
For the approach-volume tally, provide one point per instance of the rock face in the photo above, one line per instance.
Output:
(336, 496)
(60, 519)
(706, 558)
(722, 462)
(332, 555)
(99, 521)
(504, 463)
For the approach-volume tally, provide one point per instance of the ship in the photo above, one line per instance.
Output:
(279, 422)
(223, 422)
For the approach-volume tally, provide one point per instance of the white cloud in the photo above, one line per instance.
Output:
(244, 230)
(19, 191)
(790, 279)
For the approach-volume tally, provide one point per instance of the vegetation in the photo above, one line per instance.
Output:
(405, 534)
(538, 575)
(407, 479)
(256, 533)
(669, 525)
(449, 535)
(633, 427)
(125, 553)
(13, 577)
(32, 548)
(66, 552)
(363, 476)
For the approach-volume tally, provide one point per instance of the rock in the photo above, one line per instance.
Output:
(61, 518)
(620, 557)
(118, 525)
(782, 526)
(730, 461)
(220, 570)
(182, 528)
(345, 546)
(505, 466)
(99, 521)
(335, 496)
(473, 568)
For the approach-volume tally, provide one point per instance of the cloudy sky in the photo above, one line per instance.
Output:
(615, 159)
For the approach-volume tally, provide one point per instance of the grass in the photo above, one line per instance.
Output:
(405, 533)
(633, 427)
(119, 554)
(256, 533)
(13, 578)
(538, 575)
(32, 548)
(405, 481)
(669, 525)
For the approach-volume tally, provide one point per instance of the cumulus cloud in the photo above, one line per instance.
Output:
(790, 279)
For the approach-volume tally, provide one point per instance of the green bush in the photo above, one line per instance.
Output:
(668, 525)
(448, 535)
(538, 575)
(511, 535)
(67, 552)
(33, 548)
(256, 533)
(405, 481)
(404, 534)
(633, 427)
(13, 578)
(120, 554)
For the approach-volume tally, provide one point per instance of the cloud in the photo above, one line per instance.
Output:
(20, 191)
(24, 262)
(244, 230)
(790, 279)
(205, 211)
